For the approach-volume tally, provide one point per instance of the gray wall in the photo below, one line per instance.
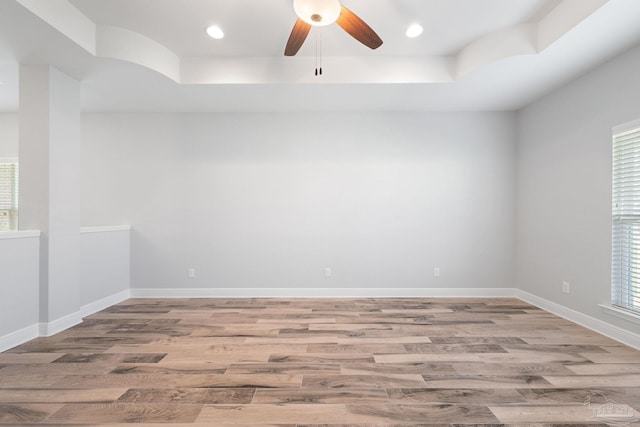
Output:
(270, 200)
(49, 195)
(564, 186)
(104, 279)
(19, 263)
(8, 135)
(104, 264)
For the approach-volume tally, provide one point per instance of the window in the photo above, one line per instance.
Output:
(8, 195)
(625, 258)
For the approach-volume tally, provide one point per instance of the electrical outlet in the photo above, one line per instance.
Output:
(566, 287)
(327, 272)
(191, 273)
(436, 272)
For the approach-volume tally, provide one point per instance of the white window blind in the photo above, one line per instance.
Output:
(625, 259)
(8, 196)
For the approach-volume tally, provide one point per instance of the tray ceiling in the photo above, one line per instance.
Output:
(154, 55)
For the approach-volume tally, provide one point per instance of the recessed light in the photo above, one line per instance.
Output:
(414, 30)
(215, 32)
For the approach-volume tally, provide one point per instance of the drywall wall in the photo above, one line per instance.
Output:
(564, 186)
(271, 200)
(49, 189)
(8, 135)
(19, 261)
(104, 263)
(104, 274)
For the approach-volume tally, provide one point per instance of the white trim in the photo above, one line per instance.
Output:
(19, 337)
(620, 313)
(323, 292)
(622, 335)
(47, 329)
(105, 229)
(101, 304)
(8, 160)
(4, 235)
(59, 325)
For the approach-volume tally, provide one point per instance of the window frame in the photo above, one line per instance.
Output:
(625, 219)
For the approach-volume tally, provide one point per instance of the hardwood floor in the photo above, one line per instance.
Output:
(312, 362)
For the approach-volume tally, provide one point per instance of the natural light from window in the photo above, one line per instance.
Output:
(8, 195)
(625, 256)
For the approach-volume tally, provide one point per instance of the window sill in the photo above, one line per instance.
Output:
(105, 229)
(620, 313)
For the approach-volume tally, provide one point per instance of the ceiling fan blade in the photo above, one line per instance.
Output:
(298, 36)
(352, 24)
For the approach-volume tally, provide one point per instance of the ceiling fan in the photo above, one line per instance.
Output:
(317, 13)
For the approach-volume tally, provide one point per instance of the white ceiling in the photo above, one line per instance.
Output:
(154, 55)
(261, 28)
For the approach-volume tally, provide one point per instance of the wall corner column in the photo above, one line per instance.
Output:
(49, 187)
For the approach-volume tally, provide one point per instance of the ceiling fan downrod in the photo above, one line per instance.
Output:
(318, 55)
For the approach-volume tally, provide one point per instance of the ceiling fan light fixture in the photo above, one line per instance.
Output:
(215, 32)
(317, 12)
(414, 30)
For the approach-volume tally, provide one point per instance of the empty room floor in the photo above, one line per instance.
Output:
(295, 362)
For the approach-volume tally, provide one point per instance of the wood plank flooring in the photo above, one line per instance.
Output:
(322, 362)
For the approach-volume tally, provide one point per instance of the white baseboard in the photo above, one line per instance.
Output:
(323, 293)
(18, 337)
(94, 307)
(47, 329)
(604, 328)
(59, 325)
(51, 328)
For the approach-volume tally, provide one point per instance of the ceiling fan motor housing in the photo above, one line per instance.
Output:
(317, 12)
